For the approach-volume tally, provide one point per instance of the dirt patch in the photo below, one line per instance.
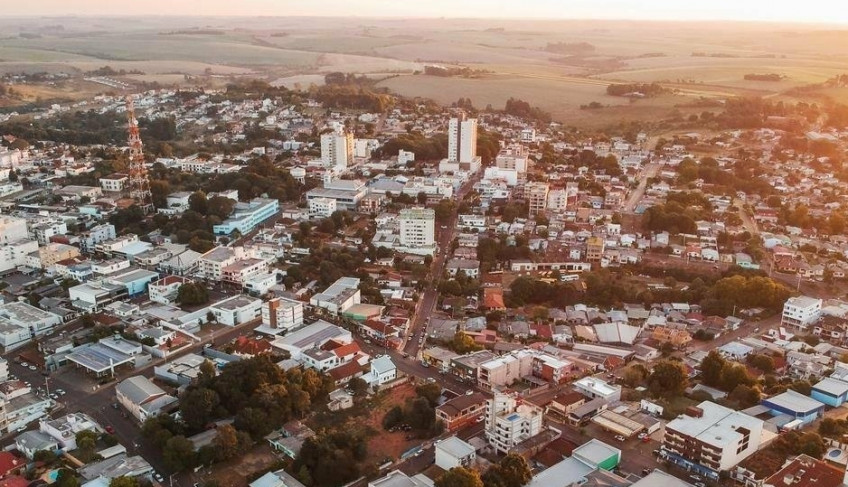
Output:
(236, 473)
(386, 444)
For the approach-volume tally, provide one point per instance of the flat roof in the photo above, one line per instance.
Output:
(97, 357)
(595, 452)
(658, 478)
(717, 425)
(794, 401)
(567, 472)
(306, 337)
(455, 447)
(832, 386)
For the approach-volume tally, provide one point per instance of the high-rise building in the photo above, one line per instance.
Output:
(417, 227)
(462, 139)
(280, 315)
(510, 422)
(536, 195)
(337, 149)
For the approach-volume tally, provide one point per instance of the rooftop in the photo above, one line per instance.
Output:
(794, 401)
(717, 425)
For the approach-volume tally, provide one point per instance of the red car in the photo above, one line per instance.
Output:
(110, 430)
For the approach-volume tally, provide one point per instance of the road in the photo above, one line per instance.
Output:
(650, 171)
(425, 306)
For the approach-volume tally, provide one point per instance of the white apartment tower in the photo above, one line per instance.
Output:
(417, 227)
(337, 149)
(536, 195)
(12, 229)
(462, 139)
(281, 315)
(510, 422)
(801, 311)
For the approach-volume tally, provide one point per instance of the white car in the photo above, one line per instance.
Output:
(619, 438)
(24, 364)
(33, 367)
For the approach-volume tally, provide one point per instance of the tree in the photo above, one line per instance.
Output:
(514, 470)
(459, 477)
(431, 392)
(178, 454)
(801, 386)
(192, 293)
(358, 386)
(668, 379)
(199, 406)
(86, 440)
(711, 368)
(229, 443)
(206, 373)
(66, 478)
(123, 481)
(197, 202)
(762, 362)
(744, 396)
(220, 206)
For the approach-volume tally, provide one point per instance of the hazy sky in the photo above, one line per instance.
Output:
(827, 11)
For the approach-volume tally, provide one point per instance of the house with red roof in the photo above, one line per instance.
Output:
(10, 463)
(250, 347)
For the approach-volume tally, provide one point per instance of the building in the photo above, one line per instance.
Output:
(505, 370)
(281, 315)
(321, 207)
(211, 264)
(20, 322)
(47, 255)
(182, 370)
(396, 478)
(678, 338)
(536, 194)
(64, 429)
(311, 336)
(801, 311)
(710, 439)
(247, 216)
(595, 249)
(795, 405)
(462, 139)
(417, 228)
(337, 149)
(113, 183)
(593, 387)
(461, 410)
(12, 229)
(383, 370)
(89, 239)
(30, 442)
(243, 270)
(347, 193)
(237, 309)
(513, 157)
(15, 253)
(339, 296)
(45, 230)
(165, 290)
(510, 422)
(453, 452)
(142, 398)
(278, 478)
(806, 471)
(830, 391)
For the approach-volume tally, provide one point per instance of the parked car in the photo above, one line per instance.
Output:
(620, 438)
(110, 429)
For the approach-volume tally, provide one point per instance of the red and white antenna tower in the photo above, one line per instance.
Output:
(139, 183)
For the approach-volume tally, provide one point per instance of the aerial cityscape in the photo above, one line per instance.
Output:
(424, 244)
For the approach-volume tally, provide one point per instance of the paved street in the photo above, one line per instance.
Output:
(650, 171)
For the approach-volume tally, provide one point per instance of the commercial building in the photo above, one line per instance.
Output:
(237, 309)
(14, 254)
(281, 315)
(211, 264)
(94, 295)
(90, 238)
(247, 216)
(710, 439)
(181, 371)
(43, 231)
(339, 296)
(830, 391)
(20, 322)
(513, 157)
(311, 336)
(796, 405)
(142, 398)
(321, 207)
(12, 229)
(417, 228)
(801, 311)
(510, 422)
(347, 193)
(242, 270)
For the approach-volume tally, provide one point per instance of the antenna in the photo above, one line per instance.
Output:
(139, 183)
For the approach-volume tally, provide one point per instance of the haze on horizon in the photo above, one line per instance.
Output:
(810, 11)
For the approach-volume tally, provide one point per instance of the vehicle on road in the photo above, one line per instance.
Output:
(24, 364)
(620, 438)
(110, 429)
(158, 477)
(33, 367)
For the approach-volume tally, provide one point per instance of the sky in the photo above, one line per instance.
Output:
(818, 11)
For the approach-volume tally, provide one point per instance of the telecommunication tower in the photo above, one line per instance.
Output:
(139, 183)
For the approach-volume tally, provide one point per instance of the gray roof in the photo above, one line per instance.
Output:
(138, 389)
(35, 440)
(117, 466)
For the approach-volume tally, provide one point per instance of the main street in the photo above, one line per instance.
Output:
(427, 303)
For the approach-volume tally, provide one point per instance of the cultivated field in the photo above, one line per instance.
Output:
(523, 59)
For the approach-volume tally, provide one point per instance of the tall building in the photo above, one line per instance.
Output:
(462, 139)
(512, 157)
(337, 149)
(536, 195)
(12, 229)
(510, 422)
(595, 249)
(417, 227)
(711, 438)
(280, 315)
(801, 311)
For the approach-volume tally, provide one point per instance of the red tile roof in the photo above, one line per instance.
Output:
(346, 371)
(251, 346)
(9, 462)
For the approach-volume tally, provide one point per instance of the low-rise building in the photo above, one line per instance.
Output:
(461, 410)
(339, 296)
(453, 452)
(237, 309)
(142, 398)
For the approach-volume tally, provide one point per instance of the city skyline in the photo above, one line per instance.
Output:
(814, 11)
